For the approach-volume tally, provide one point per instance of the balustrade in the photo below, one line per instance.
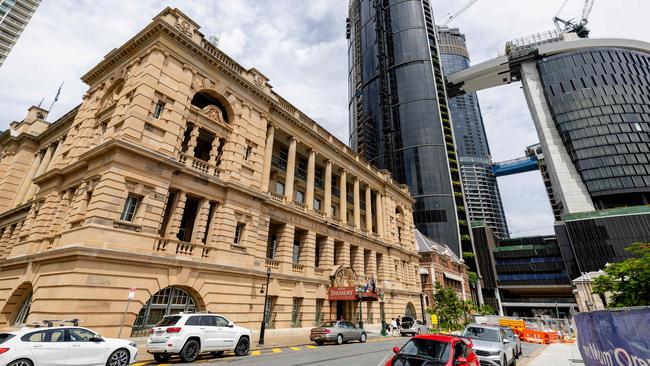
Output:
(182, 248)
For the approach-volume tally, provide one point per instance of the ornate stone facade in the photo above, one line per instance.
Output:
(185, 176)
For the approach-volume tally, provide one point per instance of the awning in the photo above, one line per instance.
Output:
(454, 277)
(424, 271)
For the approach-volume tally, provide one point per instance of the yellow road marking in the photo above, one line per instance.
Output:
(312, 347)
(256, 353)
(276, 350)
(295, 348)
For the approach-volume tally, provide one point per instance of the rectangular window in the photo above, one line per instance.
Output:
(130, 208)
(279, 188)
(295, 257)
(317, 203)
(239, 232)
(296, 316)
(247, 152)
(158, 110)
(320, 316)
(300, 197)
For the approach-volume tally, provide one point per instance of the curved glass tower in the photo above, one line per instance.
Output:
(399, 118)
(479, 182)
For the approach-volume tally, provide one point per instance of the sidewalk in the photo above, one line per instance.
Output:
(558, 354)
(273, 338)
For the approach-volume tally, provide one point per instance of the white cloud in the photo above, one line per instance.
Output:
(301, 46)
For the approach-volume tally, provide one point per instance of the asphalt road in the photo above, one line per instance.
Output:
(373, 353)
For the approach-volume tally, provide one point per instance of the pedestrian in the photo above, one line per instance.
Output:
(398, 323)
(393, 326)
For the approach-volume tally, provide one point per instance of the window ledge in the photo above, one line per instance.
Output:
(126, 225)
(238, 248)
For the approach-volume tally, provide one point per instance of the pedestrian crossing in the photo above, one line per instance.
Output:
(255, 353)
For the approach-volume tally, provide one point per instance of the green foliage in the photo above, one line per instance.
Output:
(465, 237)
(468, 255)
(453, 313)
(487, 309)
(627, 282)
(473, 277)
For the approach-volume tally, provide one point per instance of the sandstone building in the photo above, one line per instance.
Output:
(185, 176)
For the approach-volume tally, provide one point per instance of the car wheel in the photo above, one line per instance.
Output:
(190, 351)
(120, 357)
(320, 343)
(363, 337)
(22, 362)
(339, 339)
(243, 346)
(217, 354)
(161, 357)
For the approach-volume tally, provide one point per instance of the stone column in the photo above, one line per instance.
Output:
(177, 215)
(291, 166)
(201, 221)
(380, 215)
(5, 240)
(27, 181)
(308, 253)
(56, 155)
(358, 261)
(327, 201)
(268, 156)
(327, 259)
(60, 215)
(357, 204)
(191, 145)
(343, 197)
(382, 267)
(311, 175)
(345, 254)
(285, 243)
(214, 151)
(368, 210)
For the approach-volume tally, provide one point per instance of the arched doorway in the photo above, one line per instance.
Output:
(17, 307)
(410, 310)
(170, 300)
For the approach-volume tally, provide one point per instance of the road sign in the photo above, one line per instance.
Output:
(131, 293)
(434, 319)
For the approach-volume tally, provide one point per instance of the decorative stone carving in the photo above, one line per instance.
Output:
(184, 26)
(259, 81)
(344, 277)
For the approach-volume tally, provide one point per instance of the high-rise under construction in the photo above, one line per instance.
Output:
(399, 117)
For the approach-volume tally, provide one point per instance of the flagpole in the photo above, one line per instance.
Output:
(56, 97)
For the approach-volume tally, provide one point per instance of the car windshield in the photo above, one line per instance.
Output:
(168, 321)
(5, 337)
(484, 334)
(508, 332)
(328, 325)
(426, 349)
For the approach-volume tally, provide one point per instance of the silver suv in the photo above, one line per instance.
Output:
(491, 345)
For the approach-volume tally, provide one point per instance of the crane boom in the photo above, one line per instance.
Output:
(452, 16)
(586, 10)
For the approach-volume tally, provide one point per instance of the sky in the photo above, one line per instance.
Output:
(300, 45)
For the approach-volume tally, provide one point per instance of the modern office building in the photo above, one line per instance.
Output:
(479, 182)
(524, 276)
(14, 16)
(590, 102)
(183, 175)
(399, 117)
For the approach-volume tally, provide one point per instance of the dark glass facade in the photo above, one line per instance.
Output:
(399, 118)
(479, 183)
(600, 102)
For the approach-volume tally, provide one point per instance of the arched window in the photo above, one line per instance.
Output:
(23, 311)
(410, 310)
(203, 99)
(170, 300)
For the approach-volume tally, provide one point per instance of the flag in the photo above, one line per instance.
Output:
(56, 98)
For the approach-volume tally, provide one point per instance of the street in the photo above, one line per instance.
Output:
(373, 353)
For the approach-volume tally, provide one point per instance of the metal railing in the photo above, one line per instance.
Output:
(279, 163)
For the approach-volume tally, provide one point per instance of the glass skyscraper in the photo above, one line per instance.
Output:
(14, 16)
(479, 183)
(399, 117)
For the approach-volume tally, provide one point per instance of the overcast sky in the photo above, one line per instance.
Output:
(300, 45)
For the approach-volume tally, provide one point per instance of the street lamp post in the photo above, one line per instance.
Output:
(360, 296)
(265, 290)
(381, 313)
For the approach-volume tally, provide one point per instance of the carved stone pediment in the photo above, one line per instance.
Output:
(344, 277)
(213, 113)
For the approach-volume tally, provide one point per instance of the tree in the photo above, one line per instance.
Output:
(627, 282)
(449, 308)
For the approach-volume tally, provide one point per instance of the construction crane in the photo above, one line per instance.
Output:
(452, 16)
(580, 28)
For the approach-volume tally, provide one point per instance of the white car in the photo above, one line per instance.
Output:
(66, 345)
(188, 335)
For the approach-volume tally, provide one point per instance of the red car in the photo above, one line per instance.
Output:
(435, 350)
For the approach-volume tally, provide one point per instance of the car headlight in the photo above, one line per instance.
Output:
(133, 345)
(494, 353)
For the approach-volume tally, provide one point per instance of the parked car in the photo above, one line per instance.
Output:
(189, 335)
(434, 350)
(337, 331)
(491, 344)
(65, 345)
(514, 339)
(412, 326)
